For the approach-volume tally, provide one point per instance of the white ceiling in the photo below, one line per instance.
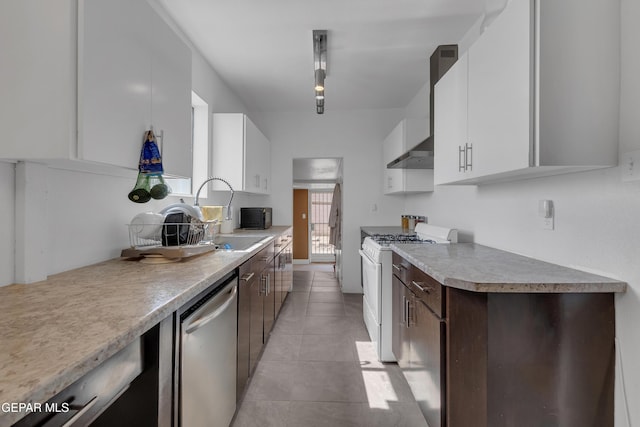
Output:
(378, 50)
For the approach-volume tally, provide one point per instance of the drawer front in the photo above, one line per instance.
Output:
(400, 267)
(281, 242)
(427, 289)
(263, 258)
(93, 393)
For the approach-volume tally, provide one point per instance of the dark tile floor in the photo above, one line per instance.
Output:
(319, 367)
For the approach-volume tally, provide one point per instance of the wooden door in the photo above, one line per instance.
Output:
(300, 224)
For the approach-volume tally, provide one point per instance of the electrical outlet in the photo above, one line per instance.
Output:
(630, 166)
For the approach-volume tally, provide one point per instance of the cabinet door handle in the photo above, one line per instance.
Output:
(462, 160)
(247, 277)
(468, 157)
(408, 324)
(426, 288)
(263, 285)
(404, 310)
(396, 267)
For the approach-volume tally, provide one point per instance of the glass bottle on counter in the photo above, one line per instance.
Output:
(405, 223)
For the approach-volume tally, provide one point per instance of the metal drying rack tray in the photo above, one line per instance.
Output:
(167, 253)
(168, 243)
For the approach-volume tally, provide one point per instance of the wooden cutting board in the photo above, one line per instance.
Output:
(170, 253)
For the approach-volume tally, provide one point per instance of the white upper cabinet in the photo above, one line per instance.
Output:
(241, 154)
(134, 73)
(452, 153)
(407, 134)
(171, 99)
(111, 75)
(392, 147)
(542, 91)
(37, 105)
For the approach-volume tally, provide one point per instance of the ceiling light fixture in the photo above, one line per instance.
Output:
(320, 66)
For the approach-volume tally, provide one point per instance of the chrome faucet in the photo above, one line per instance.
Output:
(214, 178)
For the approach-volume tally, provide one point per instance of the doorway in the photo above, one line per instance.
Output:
(319, 210)
(314, 180)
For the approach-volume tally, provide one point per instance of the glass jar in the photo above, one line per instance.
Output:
(405, 222)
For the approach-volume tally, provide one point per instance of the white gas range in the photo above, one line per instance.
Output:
(376, 279)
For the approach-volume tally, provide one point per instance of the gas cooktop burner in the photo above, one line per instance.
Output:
(386, 239)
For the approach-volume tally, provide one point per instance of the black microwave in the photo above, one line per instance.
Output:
(256, 218)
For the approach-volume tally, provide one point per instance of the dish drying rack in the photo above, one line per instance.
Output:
(169, 242)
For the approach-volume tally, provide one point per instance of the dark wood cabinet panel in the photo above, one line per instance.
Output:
(418, 342)
(425, 374)
(466, 358)
(551, 360)
(400, 335)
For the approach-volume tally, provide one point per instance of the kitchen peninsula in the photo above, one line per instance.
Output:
(505, 339)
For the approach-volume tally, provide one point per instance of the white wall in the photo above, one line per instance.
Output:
(597, 219)
(353, 135)
(7, 235)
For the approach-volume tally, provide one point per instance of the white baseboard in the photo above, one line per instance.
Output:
(301, 261)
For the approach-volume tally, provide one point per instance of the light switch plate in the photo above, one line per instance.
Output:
(630, 166)
(546, 214)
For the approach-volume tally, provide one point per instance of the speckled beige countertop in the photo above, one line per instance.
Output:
(478, 268)
(53, 332)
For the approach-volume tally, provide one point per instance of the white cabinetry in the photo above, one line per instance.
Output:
(399, 140)
(392, 147)
(453, 156)
(111, 74)
(241, 154)
(37, 87)
(134, 72)
(541, 91)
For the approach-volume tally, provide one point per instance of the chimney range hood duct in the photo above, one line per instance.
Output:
(421, 156)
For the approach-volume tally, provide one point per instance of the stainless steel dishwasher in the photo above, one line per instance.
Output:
(208, 338)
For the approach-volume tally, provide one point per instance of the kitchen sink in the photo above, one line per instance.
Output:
(238, 243)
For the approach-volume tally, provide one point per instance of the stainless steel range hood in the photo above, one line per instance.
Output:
(421, 156)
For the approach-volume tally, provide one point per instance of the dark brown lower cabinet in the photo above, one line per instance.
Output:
(504, 359)
(264, 284)
(532, 359)
(418, 344)
(247, 285)
(426, 365)
(256, 313)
